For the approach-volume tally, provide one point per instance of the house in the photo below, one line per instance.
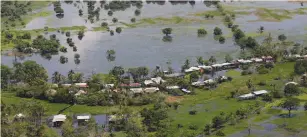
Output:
(66, 85)
(148, 82)
(185, 90)
(257, 60)
(209, 81)
(136, 90)
(151, 90)
(80, 92)
(81, 85)
(260, 92)
(82, 119)
(19, 117)
(135, 85)
(209, 68)
(174, 75)
(109, 85)
(198, 83)
(58, 120)
(247, 96)
(267, 58)
(291, 83)
(158, 80)
(172, 87)
(191, 69)
(242, 61)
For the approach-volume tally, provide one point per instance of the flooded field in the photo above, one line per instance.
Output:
(143, 45)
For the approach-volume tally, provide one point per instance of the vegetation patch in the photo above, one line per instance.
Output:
(273, 14)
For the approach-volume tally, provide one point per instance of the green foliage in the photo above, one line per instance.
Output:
(201, 32)
(118, 29)
(282, 37)
(290, 104)
(167, 31)
(104, 24)
(217, 31)
(238, 34)
(300, 67)
(114, 20)
(6, 76)
(262, 70)
(291, 89)
(222, 39)
(31, 73)
(46, 46)
(228, 58)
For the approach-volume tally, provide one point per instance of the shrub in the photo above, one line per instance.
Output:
(262, 83)
(220, 133)
(193, 127)
(267, 97)
(192, 112)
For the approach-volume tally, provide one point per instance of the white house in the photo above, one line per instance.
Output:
(185, 90)
(172, 87)
(57, 120)
(83, 118)
(260, 92)
(291, 83)
(191, 69)
(247, 96)
(198, 83)
(136, 90)
(151, 90)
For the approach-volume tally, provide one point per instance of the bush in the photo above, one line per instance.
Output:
(261, 83)
(193, 127)
(267, 97)
(192, 112)
(262, 70)
(220, 133)
(246, 72)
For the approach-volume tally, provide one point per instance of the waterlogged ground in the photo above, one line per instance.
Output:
(141, 44)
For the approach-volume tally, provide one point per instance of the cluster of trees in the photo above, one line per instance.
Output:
(221, 120)
(29, 124)
(40, 43)
(300, 67)
(58, 9)
(13, 11)
(92, 12)
(218, 34)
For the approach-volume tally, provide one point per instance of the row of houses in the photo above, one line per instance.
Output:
(58, 120)
(228, 65)
(252, 95)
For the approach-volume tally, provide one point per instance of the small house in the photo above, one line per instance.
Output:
(66, 85)
(81, 85)
(186, 90)
(19, 117)
(198, 83)
(267, 58)
(294, 83)
(136, 90)
(191, 69)
(172, 87)
(58, 120)
(158, 80)
(109, 85)
(151, 90)
(148, 82)
(257, 60)
(260, 92)
(80, 92)
(247, 96)
(83, 119)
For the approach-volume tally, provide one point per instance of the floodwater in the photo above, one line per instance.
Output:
(143, 46)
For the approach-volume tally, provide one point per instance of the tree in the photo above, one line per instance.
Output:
(114, 20)
(238, 34)
(110, 55)
(282, 37)
(200, 60)
(222, 39)
(230, 24)
(261, 29)
(30, 72)
(212, 59)
(110, 13)
(111, 32)
(77, 77)
(201, 32)
(80, 12)
(67, 34)
(291, 89)
(167, 31)
(117, 71)
(217, 31)
(217, 122)
(186, 64)
(63, 59)
(80, 34)
(228, 58)
(207, 129)
(290, 104)
(249, 84)
(137, 12)
(305, 106)
(132, 20)
(63, 49)
(104, 24)
(6, 76)
(118, 29)
(300, 67)
(56, 77)
(70, 75)
(77, 56)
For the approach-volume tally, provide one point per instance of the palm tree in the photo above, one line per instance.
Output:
(70, 75)
(200, 60)
(212, 59)
(56, 77)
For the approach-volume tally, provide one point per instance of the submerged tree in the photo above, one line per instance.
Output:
(217, 31)
(80, 34)
(222, 39)
(282, 37)
(114, 20)
(201, 32)
(118, 29)
(132, 20)
(167, 31)
(290, 104)
(110, 13)
(110, 55)
(137, 12)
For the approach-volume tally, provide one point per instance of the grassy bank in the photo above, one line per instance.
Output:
(54, 108)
